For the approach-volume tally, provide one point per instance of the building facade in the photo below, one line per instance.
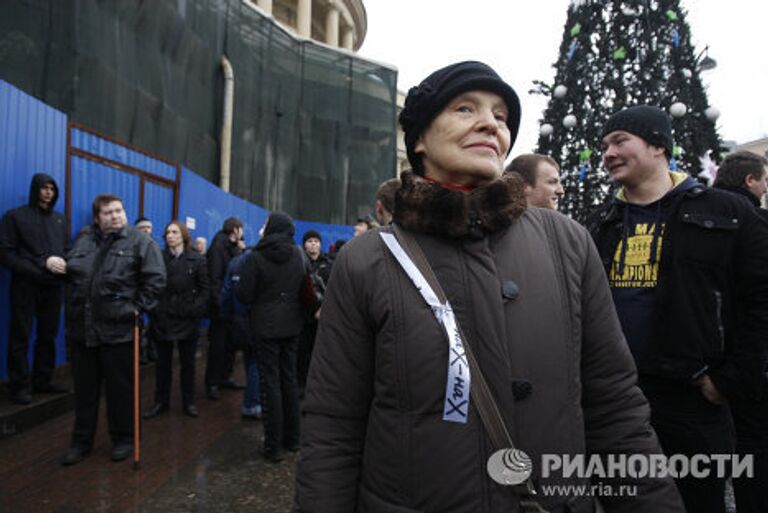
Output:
(337, 23)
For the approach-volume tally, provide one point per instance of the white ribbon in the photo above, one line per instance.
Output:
(456, 406)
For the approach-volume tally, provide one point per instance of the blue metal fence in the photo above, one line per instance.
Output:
(89, 179)
(33, 139)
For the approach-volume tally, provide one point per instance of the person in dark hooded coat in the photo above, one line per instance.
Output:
(271, 282)
(33, 240)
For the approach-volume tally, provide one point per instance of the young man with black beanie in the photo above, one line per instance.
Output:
(390, 418)
(686, 267)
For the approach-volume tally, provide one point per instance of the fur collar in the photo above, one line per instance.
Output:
(428, 207)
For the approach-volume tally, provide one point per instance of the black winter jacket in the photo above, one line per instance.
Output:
(751, 198)
(185, 298)
(111, 278)
(271, 282)
(322, 266)
(712, 292)
(221, 251)
(29, 235)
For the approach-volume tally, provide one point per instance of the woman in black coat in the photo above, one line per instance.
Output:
(177, 316)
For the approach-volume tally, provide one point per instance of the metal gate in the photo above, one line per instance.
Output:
(98, 164)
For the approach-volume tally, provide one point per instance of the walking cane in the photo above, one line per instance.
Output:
(136, 398)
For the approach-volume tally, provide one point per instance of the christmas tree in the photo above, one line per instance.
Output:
(615, 54)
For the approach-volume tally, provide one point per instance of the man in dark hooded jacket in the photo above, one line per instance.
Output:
(271, 282)
(33, 241)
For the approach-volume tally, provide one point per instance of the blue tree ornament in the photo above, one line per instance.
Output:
(572, 50)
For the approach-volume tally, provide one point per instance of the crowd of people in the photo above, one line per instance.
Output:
(469, 318)
(115, 281)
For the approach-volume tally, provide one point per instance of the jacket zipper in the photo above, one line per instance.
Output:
(719, 313)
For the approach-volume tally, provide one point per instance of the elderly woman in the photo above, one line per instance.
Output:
(381, 433)
(176, 318)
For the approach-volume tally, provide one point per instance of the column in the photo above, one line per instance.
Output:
(265, 5)
(304, 18)
(332, 26)
(348, 40)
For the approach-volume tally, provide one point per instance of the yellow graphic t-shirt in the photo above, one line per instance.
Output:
(637, 271)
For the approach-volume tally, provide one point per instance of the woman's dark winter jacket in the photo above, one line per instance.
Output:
(29, 235)
(529, 291)
(271, 281)
(185, 298)
(110, 279)
(712, 292)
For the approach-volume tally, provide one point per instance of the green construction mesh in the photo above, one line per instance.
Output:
(314, 128)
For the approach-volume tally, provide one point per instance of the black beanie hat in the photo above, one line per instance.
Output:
(311, 234)
(279, 222)
(649, 123)
(425, 101)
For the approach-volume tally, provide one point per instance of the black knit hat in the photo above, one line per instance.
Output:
(311, 234)
(425, 101)
(279, 222)
(649, 123)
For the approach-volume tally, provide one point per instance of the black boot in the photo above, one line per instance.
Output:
(157, 409)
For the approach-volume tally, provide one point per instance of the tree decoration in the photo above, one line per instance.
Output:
(712, 113)
(583, 170)
(585, 154)
(708, 169)
(627, 53)
(572, 49)
(678, 109)
(560, 92)
(546, 130)
(628, 11)
(677, 151)
(576, 30)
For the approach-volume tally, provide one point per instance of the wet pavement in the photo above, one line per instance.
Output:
(209, 464)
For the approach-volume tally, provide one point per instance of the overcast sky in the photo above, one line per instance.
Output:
(520, 39)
